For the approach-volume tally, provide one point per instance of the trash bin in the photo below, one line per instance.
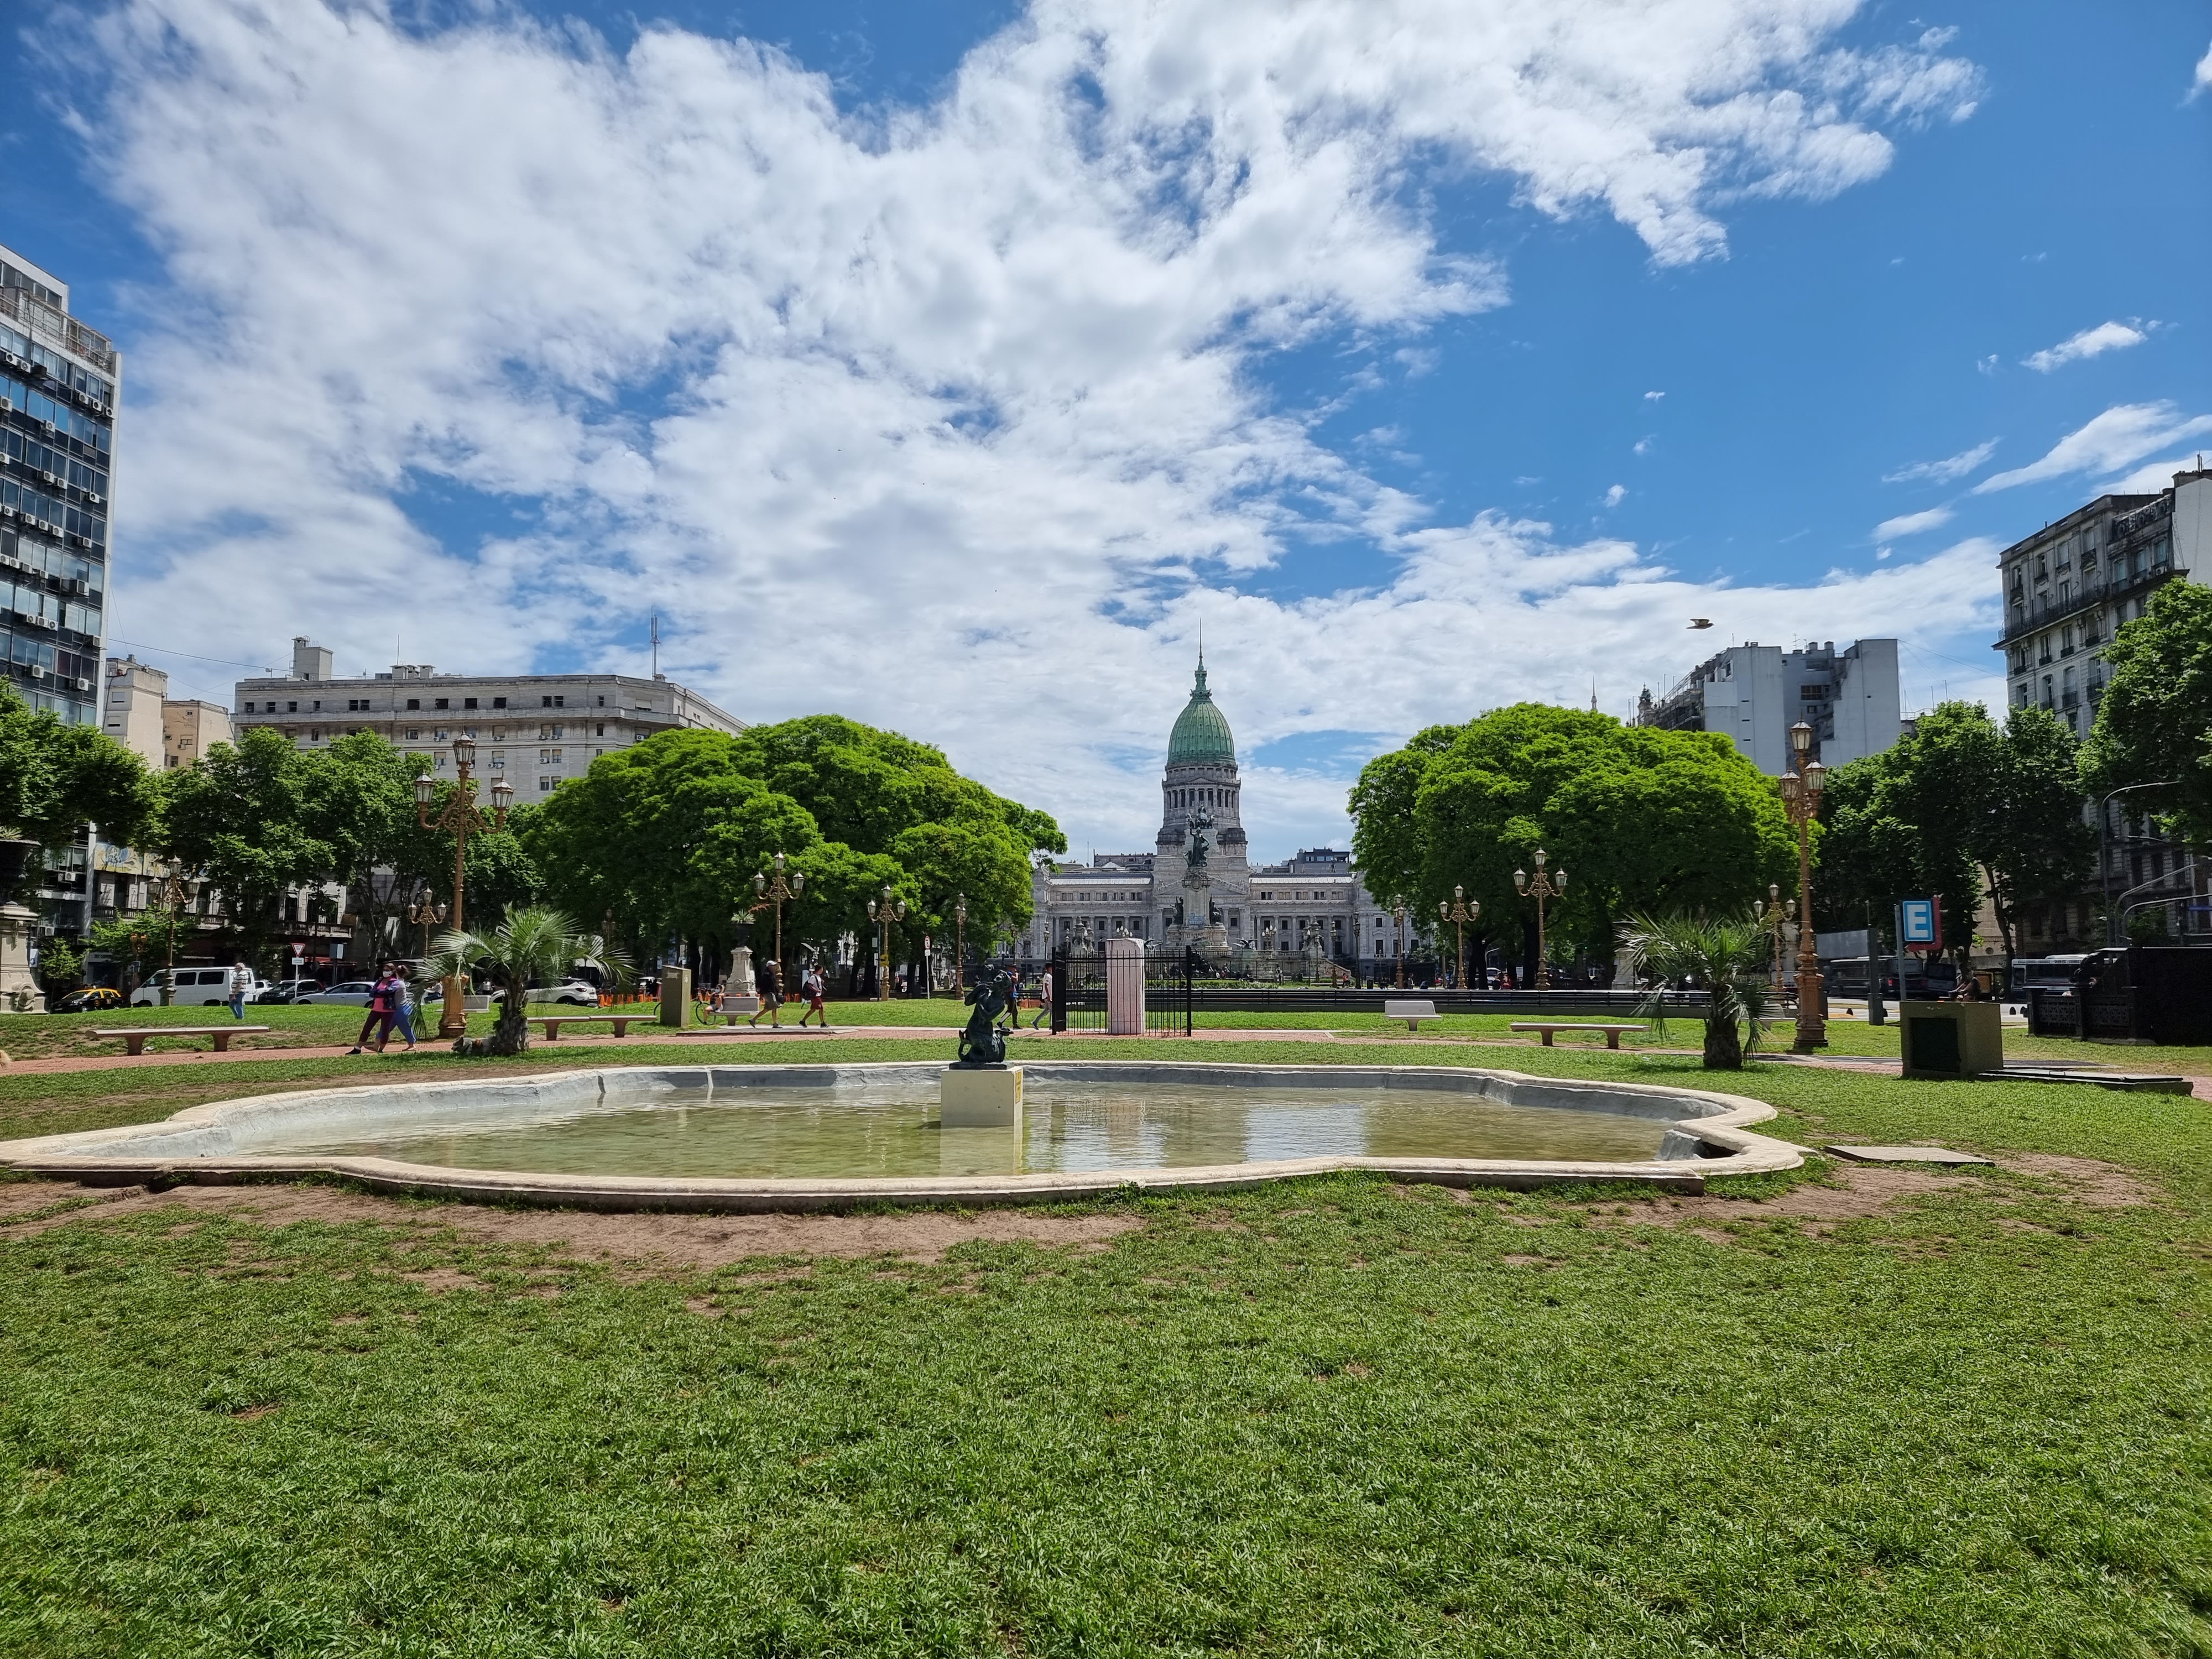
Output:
(1952, 1039)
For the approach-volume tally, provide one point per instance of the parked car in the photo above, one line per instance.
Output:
(290, 990)
(578, 993)
(356, 992)
(92, 997)
(195, 987)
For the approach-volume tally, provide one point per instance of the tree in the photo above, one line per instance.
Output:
(535, 942)
(1725, 958)
(55, 778)
(241, 816)
(2154, 722)
(1959, 807)
(1642, 819)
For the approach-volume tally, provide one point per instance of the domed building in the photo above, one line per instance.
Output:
(1275, 908)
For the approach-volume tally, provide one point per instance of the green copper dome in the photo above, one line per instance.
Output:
(1201, 736)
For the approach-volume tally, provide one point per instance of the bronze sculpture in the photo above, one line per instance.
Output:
(983, 1041)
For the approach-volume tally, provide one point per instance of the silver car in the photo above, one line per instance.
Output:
(354, 991)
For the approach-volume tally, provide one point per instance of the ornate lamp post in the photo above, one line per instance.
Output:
(461, 818)
(1459, 912)
(959, 944)
(1398, 910)
(776, 891)
(172, 900)
(890, 909)
(1801, 799)
(1774, 914)
(1545, 886)
(426, 913)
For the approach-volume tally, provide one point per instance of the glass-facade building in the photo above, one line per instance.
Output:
(58, 397)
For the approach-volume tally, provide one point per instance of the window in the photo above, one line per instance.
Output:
(545, 785)
(549, 758)
(599, 729)
(442, 703)
(414, 734)
(499, 702)
(499, 762)
(291, 707)
(468, 702)
(315, 735)
(545, 702)
(439, 735)
(601, 703)
(413, 702)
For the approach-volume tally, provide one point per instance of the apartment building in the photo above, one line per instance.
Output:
(1755, 693)
(2068, 587)
(533, 730)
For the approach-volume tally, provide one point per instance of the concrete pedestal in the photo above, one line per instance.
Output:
(1125, 987)
(986, 1098)
(18, 925)
(1951, 1039)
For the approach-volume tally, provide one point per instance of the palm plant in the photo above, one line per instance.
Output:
(1726, 959)
(536, 942)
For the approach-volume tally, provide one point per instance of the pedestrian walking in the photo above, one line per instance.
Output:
(241, 984)
(814, 988)
(383, 1010)
(768, 978)
(402, 994)
(1044, 1000)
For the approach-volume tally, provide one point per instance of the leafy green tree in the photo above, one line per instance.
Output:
(61, 966)
(1725, 957)
(2154, 722)
(1959, 807)
(1642, 819)
(242, 815)
(55, 778)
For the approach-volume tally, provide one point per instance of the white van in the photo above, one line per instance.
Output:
(197, 988)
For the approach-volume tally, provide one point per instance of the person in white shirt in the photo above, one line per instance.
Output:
(241, 984)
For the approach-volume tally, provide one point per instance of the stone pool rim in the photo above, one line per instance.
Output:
(1718, 1120)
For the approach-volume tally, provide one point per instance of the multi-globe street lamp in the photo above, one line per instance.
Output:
(1801, 799)
(960, 944)
(892, 909)
(1459, 912)
(1398, 911)
(426, 913)
(774, 891)
(1550, 885)
(460, 818)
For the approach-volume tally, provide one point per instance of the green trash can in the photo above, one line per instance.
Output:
(1952, 1039)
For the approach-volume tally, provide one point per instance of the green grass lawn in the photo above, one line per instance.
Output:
(1332, 1417)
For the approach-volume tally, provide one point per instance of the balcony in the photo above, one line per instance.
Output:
(2090, 593)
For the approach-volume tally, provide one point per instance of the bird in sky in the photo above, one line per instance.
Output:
(1701, 621)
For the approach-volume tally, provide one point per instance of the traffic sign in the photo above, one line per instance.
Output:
(1920, 924)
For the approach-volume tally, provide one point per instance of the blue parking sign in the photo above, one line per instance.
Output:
(1917, 923)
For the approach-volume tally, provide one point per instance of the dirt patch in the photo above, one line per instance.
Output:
(1866, 1189)
(445, 1278)
(2088, 1180)
(1528, 1262)
(672, 1242)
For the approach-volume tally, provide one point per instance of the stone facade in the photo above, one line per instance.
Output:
(1282, 910)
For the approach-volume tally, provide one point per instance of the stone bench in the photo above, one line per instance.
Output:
(1412, 1012)
(134, 1038)
(1548, 1026)
(621, 1023)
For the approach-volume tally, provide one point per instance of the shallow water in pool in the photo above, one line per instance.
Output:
(887, 1127)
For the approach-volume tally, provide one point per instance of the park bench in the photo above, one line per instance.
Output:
(134, 1037)
(1548, 1026)
(621, 1023)
(1412, 1012)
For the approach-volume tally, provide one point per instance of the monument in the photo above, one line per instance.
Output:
(980, 1090)
(1201, 926)
(19, 930)
(738, 994)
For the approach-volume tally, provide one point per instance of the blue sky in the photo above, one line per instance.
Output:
(950, 366)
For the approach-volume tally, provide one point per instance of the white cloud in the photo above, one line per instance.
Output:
(2089, 342)
(1641, 446)
(932, 414)
(2120, 437)
(2148, 480)
(1653, 396)
(1911, 524)
(1614, 495)
(1947, 470)
(2203, 73)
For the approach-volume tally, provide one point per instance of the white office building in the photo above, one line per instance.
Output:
(1755, 693)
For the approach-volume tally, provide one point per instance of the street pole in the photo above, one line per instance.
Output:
(1550, 885)
(1801, 799)
(776, 891)
(890, 909)
(1459, 912)
(1398, 910)
(461, 818)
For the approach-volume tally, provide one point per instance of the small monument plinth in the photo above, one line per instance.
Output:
(980, 1090)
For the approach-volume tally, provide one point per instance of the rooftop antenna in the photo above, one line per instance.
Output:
(656, 645)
